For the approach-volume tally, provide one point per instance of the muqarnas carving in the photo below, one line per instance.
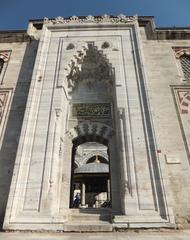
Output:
(88, 66)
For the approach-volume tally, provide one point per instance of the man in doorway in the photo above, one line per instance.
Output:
(76, 200)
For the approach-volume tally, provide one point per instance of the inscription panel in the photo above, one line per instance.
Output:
(87, 110)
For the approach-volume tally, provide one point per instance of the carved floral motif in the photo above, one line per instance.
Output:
(90, 18)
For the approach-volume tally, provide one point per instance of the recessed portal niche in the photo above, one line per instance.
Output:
(90, 79)
(90, 184)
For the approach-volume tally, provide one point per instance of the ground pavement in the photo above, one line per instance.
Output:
(129, 235)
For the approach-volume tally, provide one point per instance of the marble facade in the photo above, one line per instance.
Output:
(114, 81)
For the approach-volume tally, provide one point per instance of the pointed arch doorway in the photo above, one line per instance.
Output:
(90, 170)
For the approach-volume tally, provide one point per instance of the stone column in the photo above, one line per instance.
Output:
(114, 175)
(83, 194)
(108, 190)
(66, 175)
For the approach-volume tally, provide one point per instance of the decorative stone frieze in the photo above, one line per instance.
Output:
(91, 19)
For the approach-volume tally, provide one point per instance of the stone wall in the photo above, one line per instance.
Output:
(15, 82)
(165, 82)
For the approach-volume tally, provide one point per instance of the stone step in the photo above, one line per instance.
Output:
(89, 210)
(89, 217)
(98, 226)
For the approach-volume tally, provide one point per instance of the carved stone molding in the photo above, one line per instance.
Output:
(91, 19)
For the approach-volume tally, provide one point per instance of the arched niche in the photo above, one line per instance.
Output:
(90, 79)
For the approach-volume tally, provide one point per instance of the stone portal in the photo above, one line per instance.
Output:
(88, 89)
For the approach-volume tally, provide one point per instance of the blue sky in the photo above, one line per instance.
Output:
(14, 14)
